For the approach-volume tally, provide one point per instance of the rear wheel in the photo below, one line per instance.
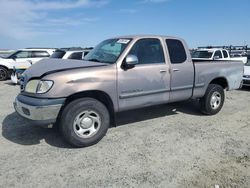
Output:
(84, 122)
(3, 74)
(213, 100)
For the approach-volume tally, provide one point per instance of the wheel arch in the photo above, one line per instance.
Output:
(98, 95)
(222, 81)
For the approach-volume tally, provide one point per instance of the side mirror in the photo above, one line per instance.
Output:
(216, 57)
(130, 61)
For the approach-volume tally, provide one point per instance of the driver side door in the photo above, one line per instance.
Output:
(148, 82)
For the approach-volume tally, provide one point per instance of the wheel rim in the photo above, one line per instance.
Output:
(2, 74)
(87, 124)
(215, 100)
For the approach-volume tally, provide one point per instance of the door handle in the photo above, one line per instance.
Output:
(176, 70)
(163, 71)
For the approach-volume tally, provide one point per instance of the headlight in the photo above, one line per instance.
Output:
(44, 86)
(38, 86)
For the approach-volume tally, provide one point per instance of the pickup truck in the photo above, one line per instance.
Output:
(123, 73)
(215, 54)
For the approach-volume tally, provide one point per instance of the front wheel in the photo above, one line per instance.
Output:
(84, 122)
(213, 100)
(3, 74)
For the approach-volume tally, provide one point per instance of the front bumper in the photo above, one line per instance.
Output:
(39, 111)
(246, 81)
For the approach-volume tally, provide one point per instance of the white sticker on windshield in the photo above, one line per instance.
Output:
(123, 41)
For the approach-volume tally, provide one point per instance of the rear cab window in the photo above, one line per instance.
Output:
(58, 54)
(225, 54)
(76, 55)
(218, 54)
(176, 50)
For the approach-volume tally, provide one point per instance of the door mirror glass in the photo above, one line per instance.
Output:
(131, 60)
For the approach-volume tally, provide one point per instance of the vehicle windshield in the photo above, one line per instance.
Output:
(248, 63)
(108, 51)
(9, 56)
(202, 54)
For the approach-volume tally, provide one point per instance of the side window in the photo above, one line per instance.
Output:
(148, 51)
(37, 54)
(176, 51)
(76, 55)
(218, 54)
(23, 54)
(225, 54)
(86, 53)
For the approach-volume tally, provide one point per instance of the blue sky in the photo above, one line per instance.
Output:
(54, 23)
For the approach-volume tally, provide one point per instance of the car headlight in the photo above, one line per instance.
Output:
(38, 86)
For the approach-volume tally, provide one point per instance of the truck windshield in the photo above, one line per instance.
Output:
(202, 54)
(108, 51)
(248, 63)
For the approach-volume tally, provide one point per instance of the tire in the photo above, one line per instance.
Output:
(84, 122)
(213, 100)
(3, 74)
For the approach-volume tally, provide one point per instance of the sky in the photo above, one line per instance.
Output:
(85, 23)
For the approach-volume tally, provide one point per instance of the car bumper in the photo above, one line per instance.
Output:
(246, 81)
(39, 111)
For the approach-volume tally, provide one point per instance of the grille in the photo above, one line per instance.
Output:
(246, 81)
(21, 83)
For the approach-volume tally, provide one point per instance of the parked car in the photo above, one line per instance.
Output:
(70, 53)
(21, 59)
(65, 53)
(246, 75)
(125, 73)
(215, 54)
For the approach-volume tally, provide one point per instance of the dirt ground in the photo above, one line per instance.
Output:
(162, 146)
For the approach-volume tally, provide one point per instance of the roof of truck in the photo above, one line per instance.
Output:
(147, 36)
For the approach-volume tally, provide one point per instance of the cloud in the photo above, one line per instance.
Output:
(21, 19)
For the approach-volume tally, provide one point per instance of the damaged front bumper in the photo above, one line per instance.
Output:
(39, 111)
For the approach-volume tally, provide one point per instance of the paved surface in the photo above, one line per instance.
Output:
(163, 146)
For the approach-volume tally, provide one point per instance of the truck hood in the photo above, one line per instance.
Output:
(246, 70)
(49, 66)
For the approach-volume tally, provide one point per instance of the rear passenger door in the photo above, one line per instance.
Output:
(182, 70)
(147, 83)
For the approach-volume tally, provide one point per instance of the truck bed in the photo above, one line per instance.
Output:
(206, 71)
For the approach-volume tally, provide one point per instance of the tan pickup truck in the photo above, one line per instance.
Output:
(123, 73)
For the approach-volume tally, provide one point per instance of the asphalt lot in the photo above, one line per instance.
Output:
(162, 146)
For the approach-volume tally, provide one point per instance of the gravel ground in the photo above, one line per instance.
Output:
(162, 146)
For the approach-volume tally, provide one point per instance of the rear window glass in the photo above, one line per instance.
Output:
(225, 54)
(176, 51)
(218, 54)
(58, 54)
(76, 55)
